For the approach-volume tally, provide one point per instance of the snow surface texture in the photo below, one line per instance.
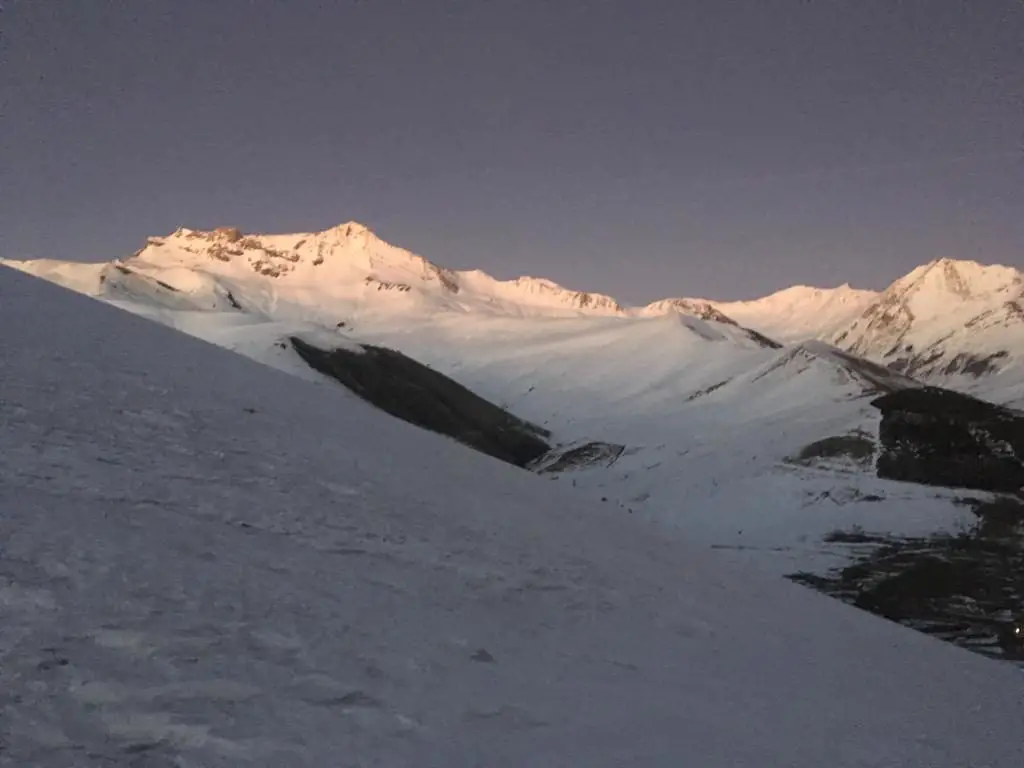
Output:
(206, 562)
(710, 415)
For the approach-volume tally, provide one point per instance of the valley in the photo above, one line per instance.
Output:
(207, 561)
(751, 428)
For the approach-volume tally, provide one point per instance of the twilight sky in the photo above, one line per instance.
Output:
(642, 148)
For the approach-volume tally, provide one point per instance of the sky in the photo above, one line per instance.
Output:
(641, 148)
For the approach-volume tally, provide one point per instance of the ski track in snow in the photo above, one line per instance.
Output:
(206, 562)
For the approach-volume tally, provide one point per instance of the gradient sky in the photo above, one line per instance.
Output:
(641, 148)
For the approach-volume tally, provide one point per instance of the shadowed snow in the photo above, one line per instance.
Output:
(205, 561)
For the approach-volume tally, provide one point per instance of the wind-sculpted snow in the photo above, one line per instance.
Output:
(206, 562)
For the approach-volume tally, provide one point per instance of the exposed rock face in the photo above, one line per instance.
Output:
(945, 318)
(763, 340)
(965, 588)
(855, 448)
(420, 395)
(590, 454)
(231, 234)
(448, 278)
(585, 300)
(938, 437)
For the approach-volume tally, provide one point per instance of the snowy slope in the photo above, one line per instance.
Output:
(704, 413)
(954, 323)
(708, 413)
(347, 268)
(951, 322)
(701, 310)
(708, 425)
(207, 562)
(78, 276)
(801, 312)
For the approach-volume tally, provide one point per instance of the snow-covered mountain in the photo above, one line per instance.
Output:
(956, 323)
(702, 310)
(349, 266)
(704, 408)
(946, 321)
(801, 312)
(346, 268)
(206, 562)
(951, 322)
(676, 412)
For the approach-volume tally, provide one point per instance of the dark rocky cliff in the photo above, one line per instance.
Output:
(938, 437)
(420, 395)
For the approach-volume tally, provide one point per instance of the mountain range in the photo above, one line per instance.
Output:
(953, 322)
(205, 561)
(708, 412)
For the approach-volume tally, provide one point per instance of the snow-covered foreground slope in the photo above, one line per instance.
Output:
(206, 562)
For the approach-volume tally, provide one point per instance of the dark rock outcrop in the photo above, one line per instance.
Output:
(231, 234)
(590, 454)
(761, 339)
(420, 395)
(966, 588)
(856, 447)
(938, 437)
(975, 365)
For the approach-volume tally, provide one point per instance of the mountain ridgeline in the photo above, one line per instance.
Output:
(945, 322)
(828, 415)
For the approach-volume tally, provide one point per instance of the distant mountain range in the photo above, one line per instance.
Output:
(958, 323)
(208, 562)
(761, 427)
